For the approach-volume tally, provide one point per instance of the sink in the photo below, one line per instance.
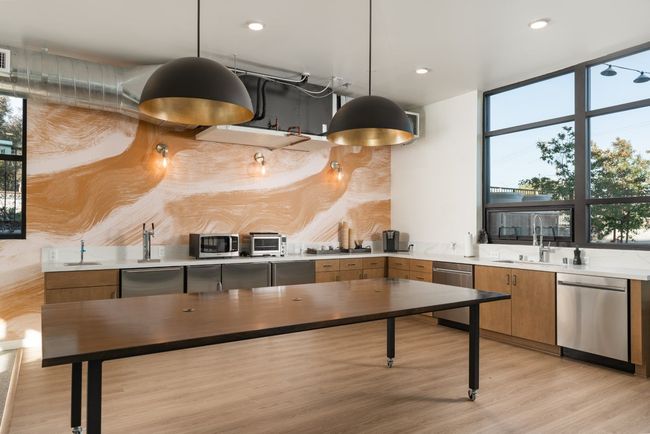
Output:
(511, 261)
(80, 264)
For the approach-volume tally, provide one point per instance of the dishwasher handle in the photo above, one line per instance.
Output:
(445, 270)
(149, 270)
(590, 286)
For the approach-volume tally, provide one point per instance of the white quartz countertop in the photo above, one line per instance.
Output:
(603, 271)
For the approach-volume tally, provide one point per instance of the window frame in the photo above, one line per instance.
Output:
(22, 158)
(580, 118)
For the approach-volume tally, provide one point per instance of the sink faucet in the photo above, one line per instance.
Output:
(540, 243)
(146, 241)
(82, 250)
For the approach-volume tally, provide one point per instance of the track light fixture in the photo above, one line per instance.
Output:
(610, 71)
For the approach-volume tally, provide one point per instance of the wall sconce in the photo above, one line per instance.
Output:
(336, 166)
(259, 157)
(162, 149)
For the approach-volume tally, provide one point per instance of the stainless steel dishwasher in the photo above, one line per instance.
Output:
(245, 276)
(450, 273)
(203, 278)
(137, 282)
(293, 272)
(592, 315)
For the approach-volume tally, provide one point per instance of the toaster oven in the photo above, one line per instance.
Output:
(214, 245)
(268, 244)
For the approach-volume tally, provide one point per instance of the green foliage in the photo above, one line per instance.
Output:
(616, 171)
(11, 123)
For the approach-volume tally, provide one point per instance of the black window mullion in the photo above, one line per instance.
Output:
(581, 216)
(531, 126)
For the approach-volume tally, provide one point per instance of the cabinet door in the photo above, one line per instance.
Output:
(327, 265)
(533, 305)
(64, 295)
(399, 263)
(350, 274)
(422, 276)
(495, 315)
(399, 274)
(245, 276)
(327, 276)
(350, 264)
(373, 273)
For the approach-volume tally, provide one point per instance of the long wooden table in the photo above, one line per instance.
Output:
(101, 330)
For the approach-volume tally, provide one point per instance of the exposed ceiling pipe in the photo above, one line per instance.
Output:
(81, 83)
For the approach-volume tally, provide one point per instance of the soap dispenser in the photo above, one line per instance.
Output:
(576, 256)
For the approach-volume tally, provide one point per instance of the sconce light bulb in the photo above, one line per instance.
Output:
(164, 162)
(339, 175)
(263, 169)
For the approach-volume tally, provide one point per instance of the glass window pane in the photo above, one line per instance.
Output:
(605, 91)
(543, 100)
(532, 165)
(11, 125)
(11, 175)
(620, 154)
(518, 225)
(620, 223)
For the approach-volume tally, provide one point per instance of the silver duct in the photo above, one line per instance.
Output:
(75, 82)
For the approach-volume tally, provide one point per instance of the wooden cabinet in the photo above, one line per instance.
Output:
(530, 313)
(68, 286)
(373, 263)
(396, 273)
(533, 305)
(497, 315)
(640, 326)
(327, 265)
(374, 273)
(331, 270)
(350, 264)
(350, 274)
(327, 276)
(399, 263)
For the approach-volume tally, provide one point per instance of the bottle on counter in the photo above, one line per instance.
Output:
(577, 260)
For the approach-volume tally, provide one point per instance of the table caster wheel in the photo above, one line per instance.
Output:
(77, 430)
(389, 362)
(471, 394)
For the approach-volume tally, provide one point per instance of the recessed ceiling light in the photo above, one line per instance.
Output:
(422, 70)
(255, 26)
(539, 24)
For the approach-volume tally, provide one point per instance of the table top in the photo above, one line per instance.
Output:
(119, 328)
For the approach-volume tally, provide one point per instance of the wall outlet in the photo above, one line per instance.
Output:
(53, 255)
(161, 252)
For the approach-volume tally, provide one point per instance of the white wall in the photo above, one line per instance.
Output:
(435, 181)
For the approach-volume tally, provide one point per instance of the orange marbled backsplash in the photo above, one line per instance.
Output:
(95, 175)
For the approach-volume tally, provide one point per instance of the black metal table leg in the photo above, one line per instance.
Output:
(94, 398)
(474, 321)
(390, 342)
(75, 399)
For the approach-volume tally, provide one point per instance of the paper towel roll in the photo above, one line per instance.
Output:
(344, 233)
(469, 245)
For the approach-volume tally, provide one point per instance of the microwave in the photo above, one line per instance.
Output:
(214, 245)
(268, 244)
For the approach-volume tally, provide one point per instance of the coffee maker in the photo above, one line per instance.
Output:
(391, 240)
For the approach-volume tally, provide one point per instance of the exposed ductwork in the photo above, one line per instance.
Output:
(80, 83)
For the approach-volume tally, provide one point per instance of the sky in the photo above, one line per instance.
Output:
(515, 156)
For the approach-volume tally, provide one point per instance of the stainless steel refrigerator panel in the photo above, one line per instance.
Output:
(245, 276)
(203, 278)
(453, 274)
(151, 281)
(293, 272)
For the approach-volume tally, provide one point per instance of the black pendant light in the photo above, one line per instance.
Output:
(196, 91)
(370, 120)
(609, 72)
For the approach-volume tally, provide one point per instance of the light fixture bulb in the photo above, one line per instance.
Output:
(339, 175)
(164, 162)
(163, 150)
(642, 78)
(539, 24)
(263, 169)
(608, 72)
(255, 26)
(422, 71)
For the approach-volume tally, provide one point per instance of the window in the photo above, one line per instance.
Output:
(12, 167)
(571, 150)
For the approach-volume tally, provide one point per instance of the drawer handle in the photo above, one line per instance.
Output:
(327, 266)
(514, 280)
(507, 279)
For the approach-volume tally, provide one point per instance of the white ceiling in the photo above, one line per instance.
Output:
(468, 44)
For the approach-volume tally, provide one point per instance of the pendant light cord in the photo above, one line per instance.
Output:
(370, 51)
(198, 28)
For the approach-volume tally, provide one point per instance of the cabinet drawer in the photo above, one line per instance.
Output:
(350, 264)
(374, 263)
(422, 276)
(63, 295)
(374, 273)
(327, 265)
(399, 274)
(399, 263)
(350, 274)
(79, 279)
(421, 265)
(327, 276)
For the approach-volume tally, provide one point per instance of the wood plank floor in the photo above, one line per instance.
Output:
(335, 381)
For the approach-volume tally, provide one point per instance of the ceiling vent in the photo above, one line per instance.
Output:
(5, 61)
